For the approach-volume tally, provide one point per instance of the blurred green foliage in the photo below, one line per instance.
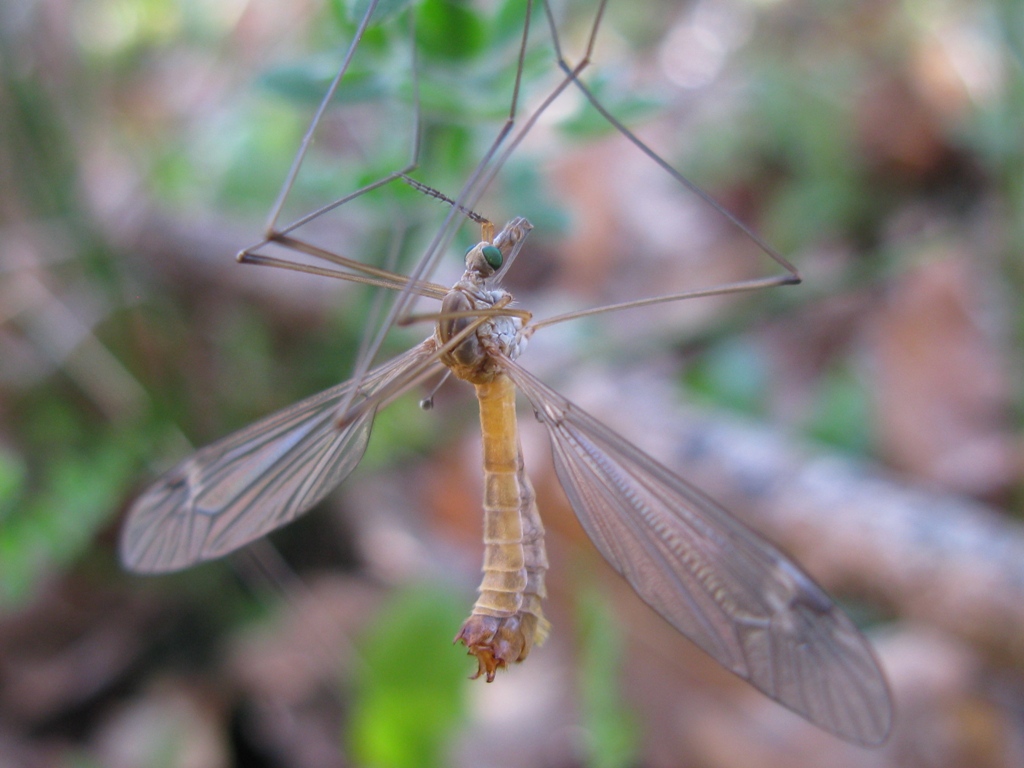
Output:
(409, 693)
(841, 413)
(49, 529)
(733, 374)
(612, 734)
(814, 131)
(353, 11)
(140, 91)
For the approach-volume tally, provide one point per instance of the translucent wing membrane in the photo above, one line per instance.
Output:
(261, 477)
(712, 578)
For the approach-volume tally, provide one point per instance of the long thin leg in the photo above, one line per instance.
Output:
(282, 236)
(510, 135)
(791, 276)
(271, 229)
(466, 198)
(572, 76)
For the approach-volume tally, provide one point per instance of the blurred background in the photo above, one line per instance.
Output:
(868, 421)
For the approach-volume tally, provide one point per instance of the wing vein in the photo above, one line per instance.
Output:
(261, 477)
(713, 578)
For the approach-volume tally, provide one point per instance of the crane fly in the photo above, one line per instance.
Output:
(714, 579)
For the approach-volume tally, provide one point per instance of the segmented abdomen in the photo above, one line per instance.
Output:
(507, 619)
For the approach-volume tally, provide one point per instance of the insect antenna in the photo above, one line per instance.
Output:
(438, 195)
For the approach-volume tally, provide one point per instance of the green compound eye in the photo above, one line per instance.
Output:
(493, 257)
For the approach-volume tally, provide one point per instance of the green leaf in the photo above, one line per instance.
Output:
(842, 411)
(612, 733)
(411, 691)
(385, 10)
(732, 374)
(306, 82)
(449, 30)
(626, 105)
(12, 482)
(57, 524)
(507, 23)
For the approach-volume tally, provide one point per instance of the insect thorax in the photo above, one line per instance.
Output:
(474, 359)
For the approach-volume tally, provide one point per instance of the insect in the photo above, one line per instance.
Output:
(715, 580)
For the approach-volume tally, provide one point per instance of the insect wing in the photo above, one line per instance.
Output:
(715, 580)
(257, 479)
